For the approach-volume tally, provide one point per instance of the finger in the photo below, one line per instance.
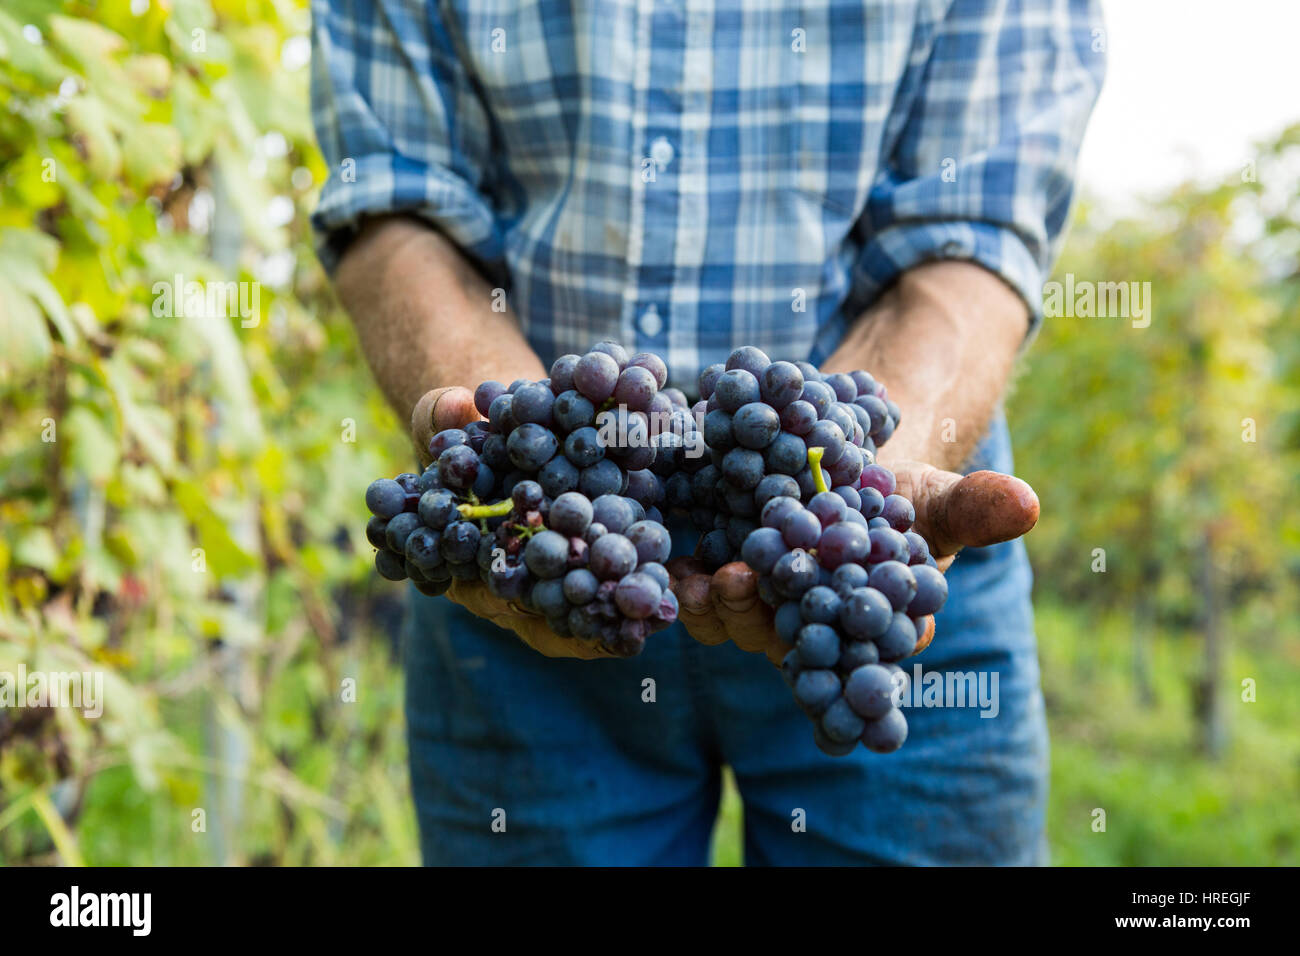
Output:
(955, 511)
(746, 619)
(695, 608)
(437, 409)
(926, 635)
(532, 629)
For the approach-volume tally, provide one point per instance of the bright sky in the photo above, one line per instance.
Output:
(1191, 84)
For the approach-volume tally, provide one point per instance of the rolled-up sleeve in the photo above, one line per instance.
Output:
(981, 156)
(399, 124)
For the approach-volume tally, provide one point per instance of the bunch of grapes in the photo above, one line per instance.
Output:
(761, 419)
(550, 501)
(852, 597)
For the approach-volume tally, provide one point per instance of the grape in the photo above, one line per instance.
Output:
(815, 690)
(931, 591)
(548, 598)
(638, 595)
(656, 571)
(709, 378)
(807, 487)
(780, 384)
(602, 478)
(397, 530)
(533, 403)
(743, 467)
(562, 373)
(547, 554)
(755, 425)
(717, 431)
(873, 502)
(820, 605)
(850, 495)
(572, 410)
(635, 388)
(715, 549)
(899, 640)
(422, 548)
(594, 531)
(385, 498)
(580, 586)
(887, 545)
(798, 417)
(895, 581)
(517, 384)
(651, 540)
(801, 529)
(854, 655)
(612, 556)
(865, 614)
(843, 385)
(501, 414)
(898, 512)
(818, 646)
(876, 411)
(828, 507)
(459, 543)
(750, 359)
(559, 475)
(775, 512)
(530, 446)
(842, 543)
(790, 668)
(847, 469)
(869, 691)
(375, 531)
(571, 514)
(878, 477)
(829, 437)
(794, 573)
(736, 387)
(917, 549)
(762, 549)
(526, 496)
(458, 467)
(614, 512)
(668, 608)
(447, 438)
(390, 566)
(464, 571)
(655, 366)
(645, 487)
(841, 724)
(583, 447)
(595, 376)
(674, 395)
(885, 734)
(613, 350)
(817, 394)
(848, 577)
(484, 481)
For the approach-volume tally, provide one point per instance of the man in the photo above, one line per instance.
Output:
(877, 184)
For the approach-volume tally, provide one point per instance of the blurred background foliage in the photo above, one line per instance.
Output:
(180, 494)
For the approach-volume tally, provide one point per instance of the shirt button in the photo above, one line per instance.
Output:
(662, 152)
(651, 324)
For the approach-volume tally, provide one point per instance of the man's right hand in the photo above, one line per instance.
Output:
(453, 407)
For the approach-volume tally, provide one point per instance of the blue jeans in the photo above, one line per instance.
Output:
(521, 759)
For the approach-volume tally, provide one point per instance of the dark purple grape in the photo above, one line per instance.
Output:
(562, 373)
(887, 545)
(580, 586)
(829, 437)
(791, 668)
(818, 646)
(852, 499)
(848, 577)
(899, 640)
(501, 414)
(375, 531)
(895, 581)
(533, 403)
(527, 496)
(613, 350)
(530, 446)
(865, 383)
(458, 467)
(385, 498)
(751, 359)
(635, 388)
(820, 605)
(547, 554)
(840, 724)
(612, 556)
(656, 571)
(876, 411)
(777, 510)
(743, 468)
(815, 690)
(817, 394)
(828, 507)
(594, 531)
(780, 384)
(638, 595)
(873, 502)
(558, 476)
(398, 528)
(775, 486)
(583, 447)
(931, 591)
(843, 385)
(715, 550)
(734, 388)
(717, 431)
(654, 365)
(652, 542)
(459, 544)
(676, 396)
(898, 511)
(595, 376)
(798, 418)
(509, 582)
(762, 549)
(917, 548)
(794, 573)
(847, 469)
(870, 691)
(570, 514)
(842, 543)
(437, 508)
(885, 734)
(854, 655)
(709, 378)
(422, 548)
(878, 477)
(548, 598)
(613, 511)
(485, 394)
(755, 425)
(390, 566)
(787, 455)
(865, 614)
(801, 529)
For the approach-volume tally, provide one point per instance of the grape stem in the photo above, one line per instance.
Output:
(815, 463)
(497, 510)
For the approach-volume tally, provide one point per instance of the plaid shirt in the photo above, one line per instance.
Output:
(689, 176)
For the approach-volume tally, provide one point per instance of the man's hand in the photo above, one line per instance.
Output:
(453, 407)
(952, 512)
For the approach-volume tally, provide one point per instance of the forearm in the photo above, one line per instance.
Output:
(943, 341)
(424, 315)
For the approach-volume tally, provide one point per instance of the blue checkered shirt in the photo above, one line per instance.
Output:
(689, 176)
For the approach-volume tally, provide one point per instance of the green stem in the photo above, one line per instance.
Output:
(488, 511)
(815, 463)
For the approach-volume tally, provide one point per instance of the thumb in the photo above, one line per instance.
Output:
(439, 409)
(971, 511)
